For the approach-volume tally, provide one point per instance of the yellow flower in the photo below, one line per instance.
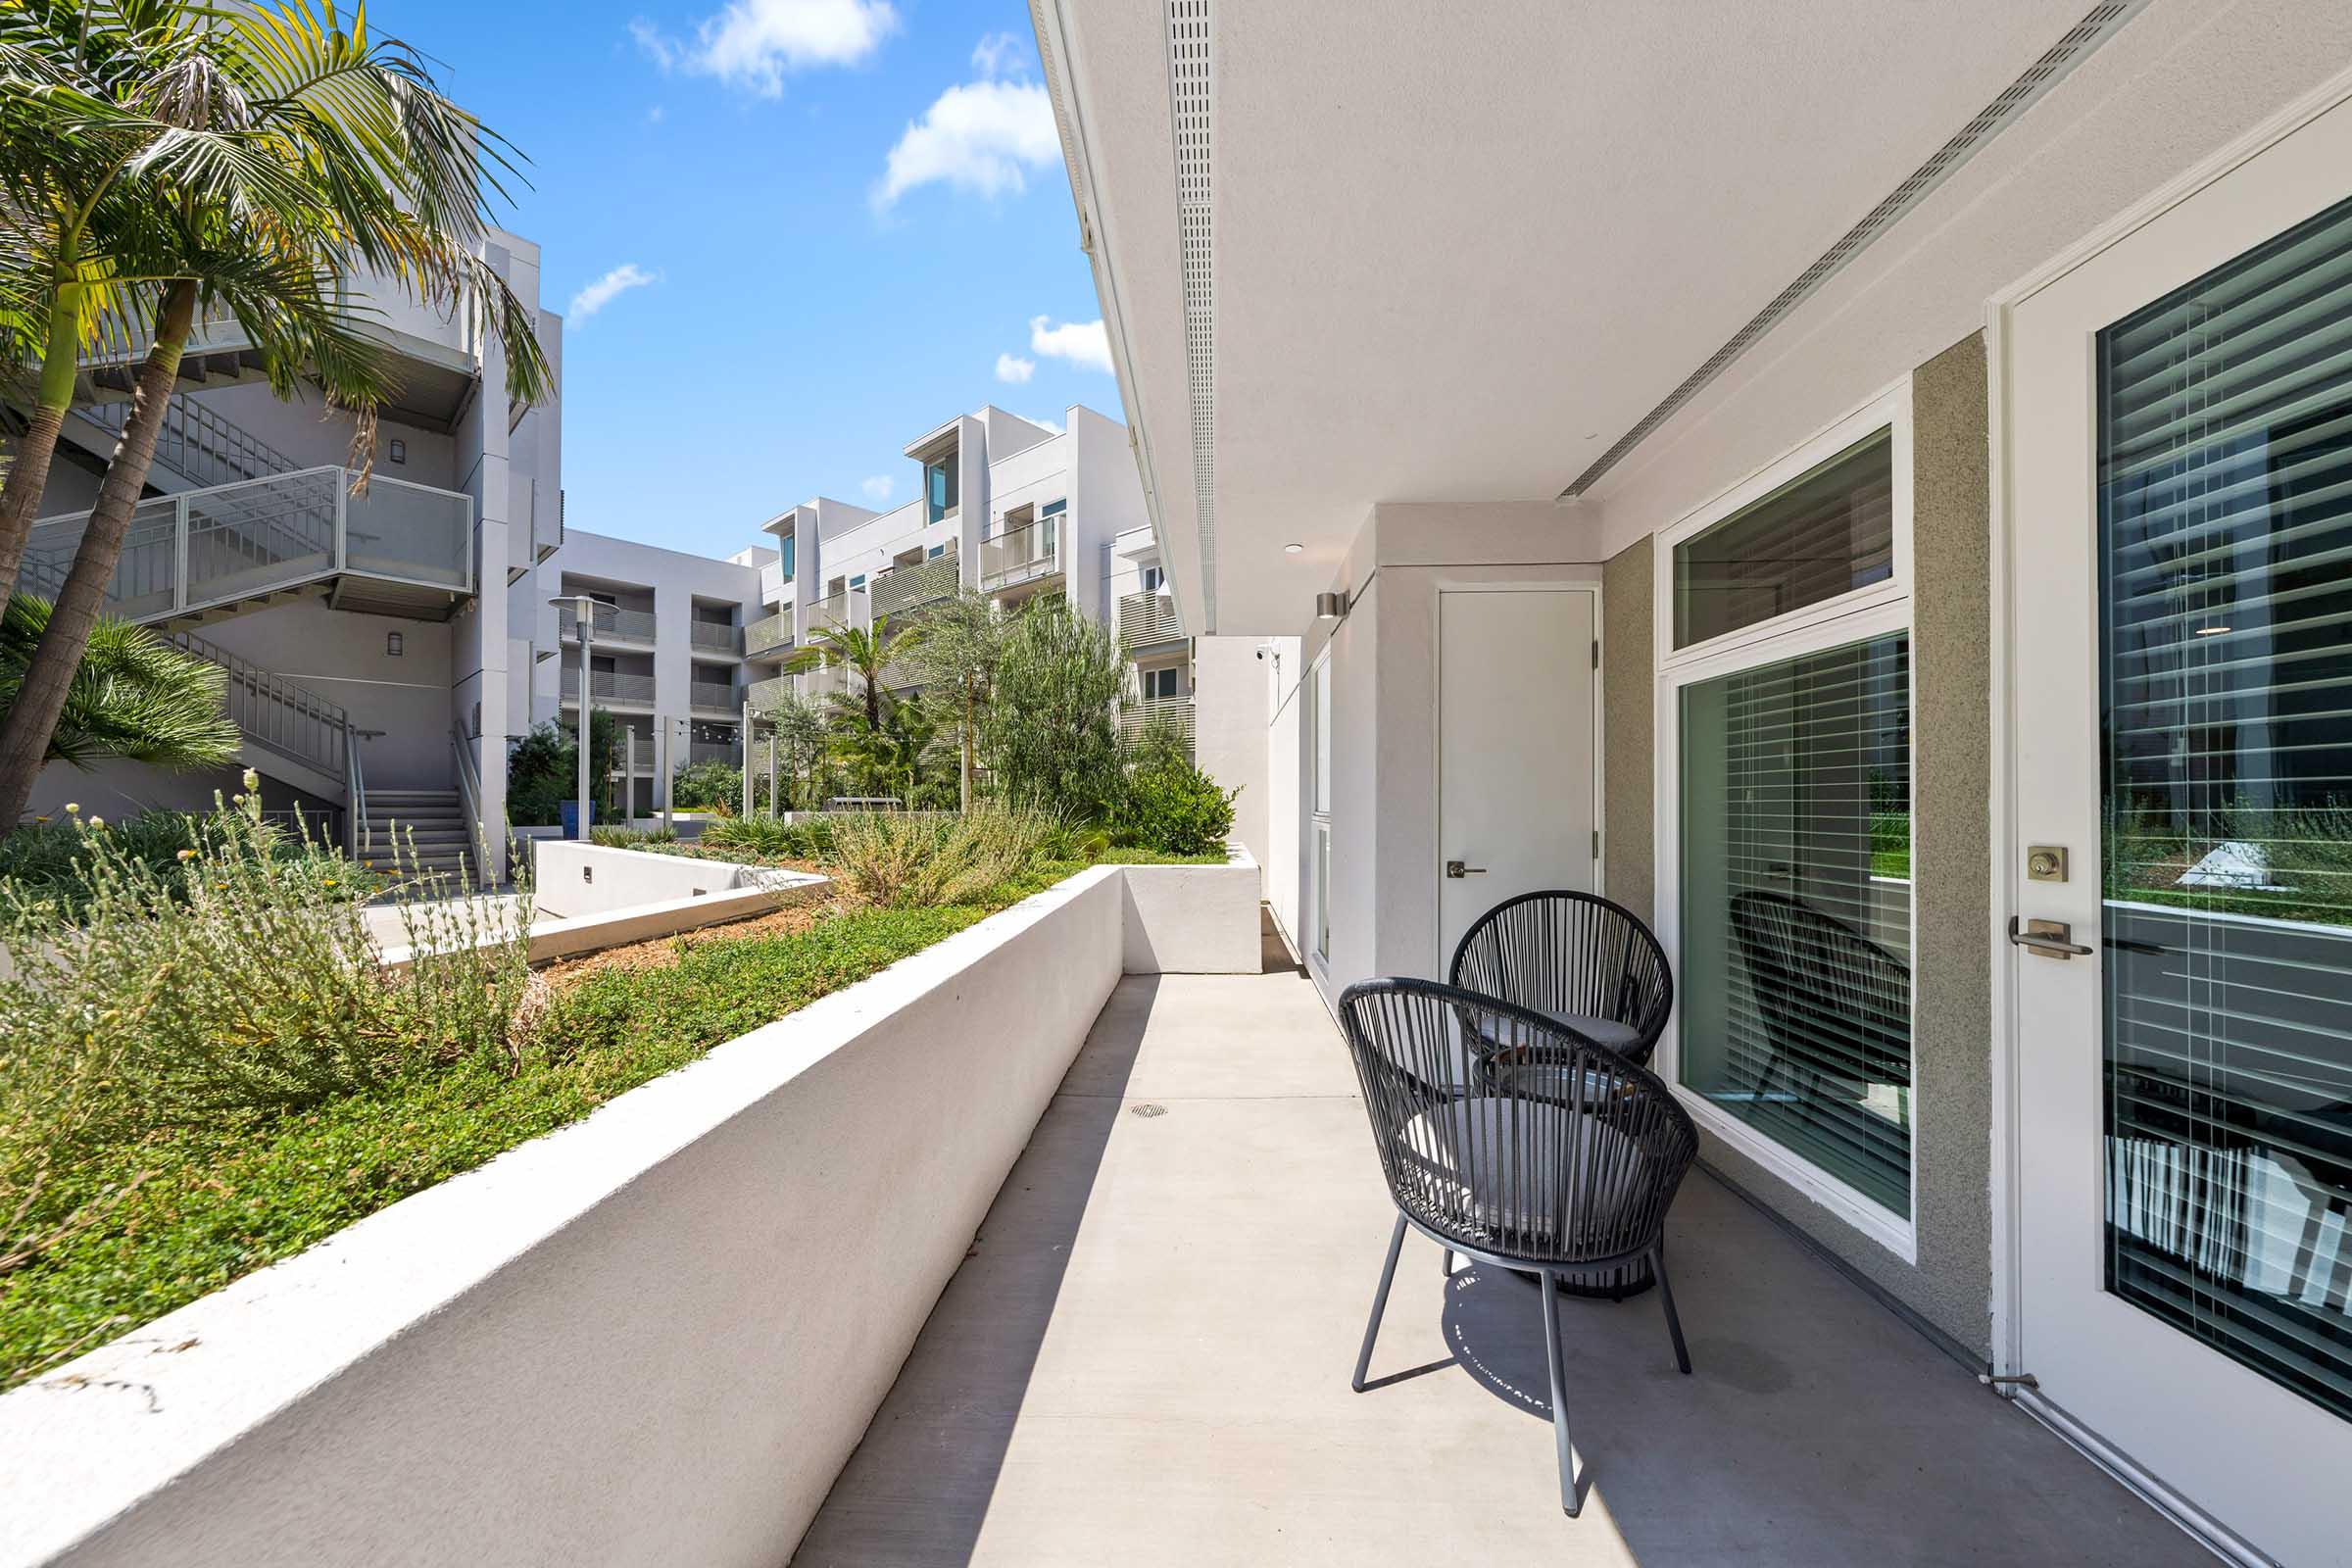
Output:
(73, 807)
(187, 855)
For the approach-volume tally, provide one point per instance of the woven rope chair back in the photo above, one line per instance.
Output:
(1510, 1135)
(1563, 952)
(1830, 997)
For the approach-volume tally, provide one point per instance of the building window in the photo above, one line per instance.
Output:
(940, 488)
(1787, 890)
(784, 558)
(1319, 801)
(858, 581)
(935, 552)
(1154, 580)
(1161, 685)
(1052, 507)
(1824, 534)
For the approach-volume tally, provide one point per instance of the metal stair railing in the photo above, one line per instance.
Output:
(198, 444)
(469, 795)
(278, 714)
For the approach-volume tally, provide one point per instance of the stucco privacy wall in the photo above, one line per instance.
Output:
(1950, 1286)
(653, 1337)
(1629, 761)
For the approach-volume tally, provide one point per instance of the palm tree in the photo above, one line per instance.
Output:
(857, 715)
(186, 161)
(134, 697)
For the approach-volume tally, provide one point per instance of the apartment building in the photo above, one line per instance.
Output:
(1862, 489)
(371, 655)
(1003, 505)
(665, 651)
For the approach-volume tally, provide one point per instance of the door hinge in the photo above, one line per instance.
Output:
(1597, 843)
(1997, 1380)
(1595, 653)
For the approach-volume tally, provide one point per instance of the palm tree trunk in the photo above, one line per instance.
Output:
(24, 736)
(28, 476)
(969, 778)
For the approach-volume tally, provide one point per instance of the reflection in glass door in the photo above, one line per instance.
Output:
(2224, 490)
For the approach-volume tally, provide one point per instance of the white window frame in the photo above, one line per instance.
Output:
(1888, 410)
(1318, 803)
(1877, 610)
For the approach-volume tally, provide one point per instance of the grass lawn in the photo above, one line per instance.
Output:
(216, 1201)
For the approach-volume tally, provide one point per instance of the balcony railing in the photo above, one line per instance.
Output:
(831, 611)
(728, 752)
(723, 696)
(1164, 712)
(206, 547)
(903, 590)
(1024, 555)
(766, 696)
(614, 625)
(772, 635)
(1146, 619)
(610, 686)
(719, 636)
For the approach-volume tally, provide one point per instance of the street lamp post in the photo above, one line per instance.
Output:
(587, 613)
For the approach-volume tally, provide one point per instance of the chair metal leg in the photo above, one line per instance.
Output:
(1448, 1264)
(1549, 1289)
(1380, 1304)
(1674, 1324)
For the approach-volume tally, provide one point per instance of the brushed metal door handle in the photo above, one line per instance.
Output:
(2052, 938)
(1457, 869)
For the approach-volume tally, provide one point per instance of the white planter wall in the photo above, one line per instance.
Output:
(655, 1336)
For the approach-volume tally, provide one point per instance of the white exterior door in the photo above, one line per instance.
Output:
(2177, 435)
(1517, 749)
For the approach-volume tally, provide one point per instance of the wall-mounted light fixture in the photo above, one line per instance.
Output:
(1330, 607)
(393, 646)
(399, 450)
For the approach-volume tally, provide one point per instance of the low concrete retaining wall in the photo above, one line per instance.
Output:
(1192, 920)
(655, 1336)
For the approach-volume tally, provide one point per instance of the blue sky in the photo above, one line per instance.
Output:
(848, 216)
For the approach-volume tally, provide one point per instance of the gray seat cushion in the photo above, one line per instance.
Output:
(1600, 1031)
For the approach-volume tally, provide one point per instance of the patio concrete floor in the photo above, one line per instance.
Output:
(1146, 1361)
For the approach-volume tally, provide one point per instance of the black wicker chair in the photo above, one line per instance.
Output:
(1519, 1144)
(1837, 1006)
(1576, 958)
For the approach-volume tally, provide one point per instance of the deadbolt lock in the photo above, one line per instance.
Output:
(2045, 863)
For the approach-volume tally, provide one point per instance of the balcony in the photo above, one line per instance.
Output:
(714, 695)
(1023, 556)
(831, 611)
(717, 637)
(1148, 618)
(614, 625)
(399, 548)
(1164, 712)
(606, 686)
(902, 590)
(727, 752)
(770, 637)
(1075, 1392)
(766, 696)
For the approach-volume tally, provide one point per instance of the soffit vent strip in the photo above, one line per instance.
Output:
(1192, 103)
(2099, 24)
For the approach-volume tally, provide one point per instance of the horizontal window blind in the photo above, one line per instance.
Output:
(2226, 622)
(1796, 907)
(1825, 533)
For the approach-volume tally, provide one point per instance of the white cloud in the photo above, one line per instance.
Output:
(1001, 54)
(607, 288)
(1083, 343)
(879, 487)
(656, 115)
(980, 136)
(753, 44)
(1043, 423)
(1012, 368)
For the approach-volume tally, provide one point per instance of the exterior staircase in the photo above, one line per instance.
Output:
(434, 822)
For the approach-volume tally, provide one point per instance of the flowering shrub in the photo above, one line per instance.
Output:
(237, 986)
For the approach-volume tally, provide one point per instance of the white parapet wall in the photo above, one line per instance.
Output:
(1194, 919)
(653, 1336)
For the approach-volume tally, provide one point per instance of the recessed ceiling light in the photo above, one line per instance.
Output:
(1293, 548)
